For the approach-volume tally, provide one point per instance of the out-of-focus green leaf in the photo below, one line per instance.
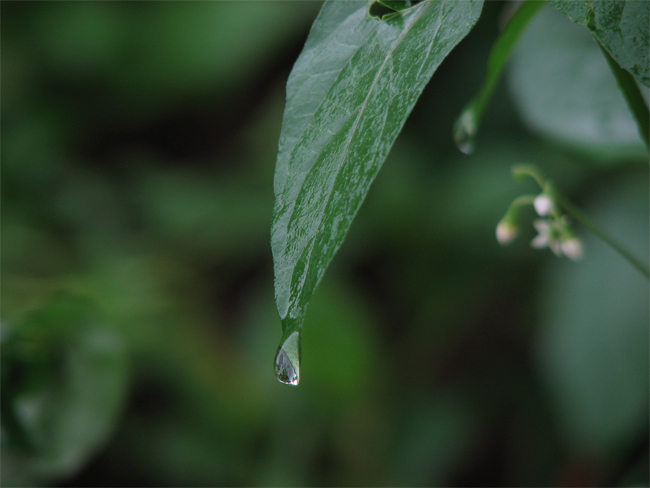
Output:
(621, 26)
(566, 91)
(192, 47)
(342, 351)
(435, 437)
(593, 348)
(348, 97)
(79, 40)
(65, 385)
(205, 214)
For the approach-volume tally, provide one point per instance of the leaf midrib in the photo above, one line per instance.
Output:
(353, 132)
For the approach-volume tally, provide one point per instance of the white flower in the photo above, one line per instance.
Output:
(556, 235)
(548, 236)
(543, 205)
(543, 233)
(572, 248)
(506, 232)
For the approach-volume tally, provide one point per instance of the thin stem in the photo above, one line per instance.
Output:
(520, 171)
(599, 232)
(633, 96)
(502, 49)
(523, 200)
(467, 125)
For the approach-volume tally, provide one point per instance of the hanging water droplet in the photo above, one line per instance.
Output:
(465, 130)
(287, 359)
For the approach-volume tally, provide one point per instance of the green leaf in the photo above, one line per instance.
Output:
(565, 91)
(348, 97)
(621, 26)
(467, 124)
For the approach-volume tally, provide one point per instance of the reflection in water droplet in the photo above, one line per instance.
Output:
(465, 130)
(284, 369)
(287, 359)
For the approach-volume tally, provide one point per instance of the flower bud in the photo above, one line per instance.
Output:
(543, 205)
(506, 232)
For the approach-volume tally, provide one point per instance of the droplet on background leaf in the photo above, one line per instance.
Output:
(465, 131)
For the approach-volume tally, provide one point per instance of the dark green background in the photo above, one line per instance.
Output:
(138, 320)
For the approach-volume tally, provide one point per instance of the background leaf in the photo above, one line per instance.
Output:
(565, 90)
(593, 348)
(620, 25)
(348, 97)
(68, 379)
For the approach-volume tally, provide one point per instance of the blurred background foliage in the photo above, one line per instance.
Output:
(138, 319)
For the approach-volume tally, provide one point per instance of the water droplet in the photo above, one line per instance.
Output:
(287, 359)
(465, 131)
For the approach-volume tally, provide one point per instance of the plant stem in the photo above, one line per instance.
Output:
(520, 171)
(633, 96)
(502, 49)
(598, 231)
(523, 200)
(467, 124)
